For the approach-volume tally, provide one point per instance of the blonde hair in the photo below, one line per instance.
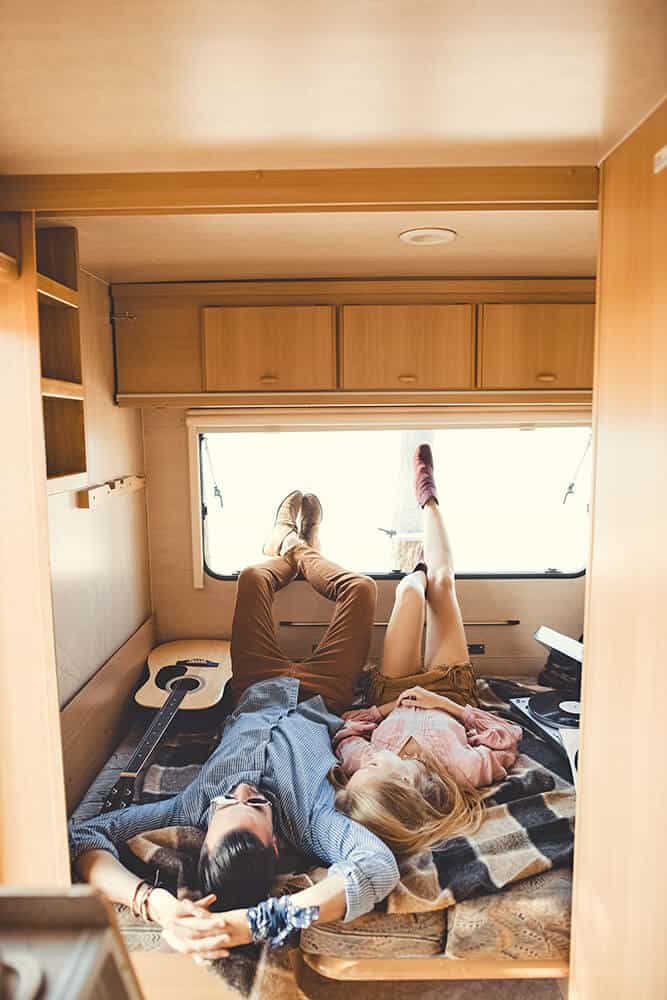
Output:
(411, 817)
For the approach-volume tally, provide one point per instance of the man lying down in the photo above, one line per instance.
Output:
(274, 774)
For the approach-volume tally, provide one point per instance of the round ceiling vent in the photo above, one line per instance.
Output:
(428, 237)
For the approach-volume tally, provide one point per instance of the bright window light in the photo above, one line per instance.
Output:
(502, 492)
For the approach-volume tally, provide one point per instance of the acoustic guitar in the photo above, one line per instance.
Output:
(184, 676)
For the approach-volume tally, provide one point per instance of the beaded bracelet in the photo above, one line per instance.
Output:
(144, 904)
(274, 920)
(140, 890)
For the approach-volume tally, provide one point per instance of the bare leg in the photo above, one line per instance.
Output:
(445, 636)
(402, 653)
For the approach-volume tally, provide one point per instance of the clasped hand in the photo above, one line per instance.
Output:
(192, 929)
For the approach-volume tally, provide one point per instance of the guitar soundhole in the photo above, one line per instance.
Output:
(167, 674)
(185, 684)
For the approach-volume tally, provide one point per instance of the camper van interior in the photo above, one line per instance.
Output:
(334, 358)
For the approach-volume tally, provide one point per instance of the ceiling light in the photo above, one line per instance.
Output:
(427, 237)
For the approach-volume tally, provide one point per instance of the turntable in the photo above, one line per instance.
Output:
(556, 717)
(556, 713)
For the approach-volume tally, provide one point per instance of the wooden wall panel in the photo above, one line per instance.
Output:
(33, 844)
(99, 557)
(94, 721)
(620, 897)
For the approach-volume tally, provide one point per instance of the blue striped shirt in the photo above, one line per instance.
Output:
(283, 747)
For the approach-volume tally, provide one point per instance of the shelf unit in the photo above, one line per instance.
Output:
(63, 391)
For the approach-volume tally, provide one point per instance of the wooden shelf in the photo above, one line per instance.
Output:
(52, 293)
(60, 343)
(58, 255)
(59, 389)
(65, 437)
(9, 268)
(67, 484)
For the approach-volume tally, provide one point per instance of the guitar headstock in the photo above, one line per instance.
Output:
(120, 796)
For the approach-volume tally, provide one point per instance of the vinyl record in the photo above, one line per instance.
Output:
(555, 709)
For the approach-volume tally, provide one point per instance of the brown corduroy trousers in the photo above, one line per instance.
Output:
(334, 667)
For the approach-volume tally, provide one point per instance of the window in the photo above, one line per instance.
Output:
(502, 491)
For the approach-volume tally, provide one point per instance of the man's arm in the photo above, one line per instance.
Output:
(103, 871)
(108, 831)
(366, 865)
(94, 850)
(210, 936)
(363, 871)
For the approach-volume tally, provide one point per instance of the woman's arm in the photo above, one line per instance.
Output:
(351, 745)
(418, 697)
(374, 714)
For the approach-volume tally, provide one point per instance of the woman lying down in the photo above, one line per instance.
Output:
(414, 738)
(274, 779)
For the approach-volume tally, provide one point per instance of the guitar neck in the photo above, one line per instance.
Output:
(154, 733)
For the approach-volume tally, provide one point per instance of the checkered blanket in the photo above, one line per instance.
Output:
(527, 828)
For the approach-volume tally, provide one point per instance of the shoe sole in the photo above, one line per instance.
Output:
(269, 549)
(313, 525)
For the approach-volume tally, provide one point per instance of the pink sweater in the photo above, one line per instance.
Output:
(477, 752)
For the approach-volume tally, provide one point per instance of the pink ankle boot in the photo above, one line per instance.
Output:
(425, 488)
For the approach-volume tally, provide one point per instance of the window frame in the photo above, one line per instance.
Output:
(300, 418)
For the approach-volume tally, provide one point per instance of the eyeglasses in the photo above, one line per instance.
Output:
(220, 801)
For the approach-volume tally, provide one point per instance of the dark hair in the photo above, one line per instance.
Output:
(239, 870)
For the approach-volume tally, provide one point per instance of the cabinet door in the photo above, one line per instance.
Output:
(408, 347)
(269, 348)
(540, 346)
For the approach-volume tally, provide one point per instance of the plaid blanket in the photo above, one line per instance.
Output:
(527, 830)
(527, 827)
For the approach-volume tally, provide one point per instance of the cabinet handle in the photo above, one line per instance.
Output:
(546, 377)
(407, 378)
(268, 379)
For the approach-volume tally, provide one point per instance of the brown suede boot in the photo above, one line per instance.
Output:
(425, 488)
(285, 522)
(311, 518)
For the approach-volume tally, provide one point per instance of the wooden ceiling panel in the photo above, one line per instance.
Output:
(246, 84)
(220, 247)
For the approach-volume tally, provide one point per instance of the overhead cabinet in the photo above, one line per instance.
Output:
(202, 343)
(408, 347)
(536, 346)
(269, 348)
(158, 349)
